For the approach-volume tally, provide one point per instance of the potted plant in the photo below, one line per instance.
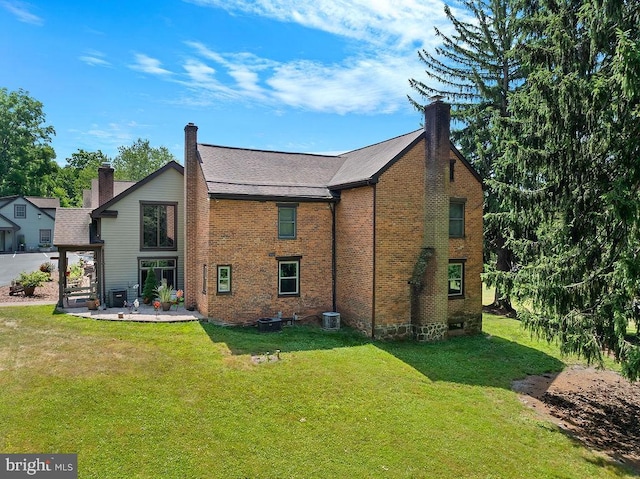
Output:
(164, 293)
(93, 303)
(30, 281)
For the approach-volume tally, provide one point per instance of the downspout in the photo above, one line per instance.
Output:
(373, 295)
(333, 257)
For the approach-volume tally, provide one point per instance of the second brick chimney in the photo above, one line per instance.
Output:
(105, 183)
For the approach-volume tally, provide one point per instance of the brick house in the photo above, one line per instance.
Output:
(389, 235)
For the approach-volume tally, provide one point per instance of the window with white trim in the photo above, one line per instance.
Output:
(456, 279)
(224, 279)
(45, 236)
(289, 277)
(20, 211)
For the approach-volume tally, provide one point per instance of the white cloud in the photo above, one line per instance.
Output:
(374, 79)
(146, 64)
(21, 11)
(94, 58)
(399, 23)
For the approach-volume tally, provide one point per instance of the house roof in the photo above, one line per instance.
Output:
(365, 165)
(239, 172)
(72, 227)
(231, 172)
(103, 209)
(40, 202)
(6, 223)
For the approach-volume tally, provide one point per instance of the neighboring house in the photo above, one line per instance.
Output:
(389, 236)
(136, 231)
(27, 223)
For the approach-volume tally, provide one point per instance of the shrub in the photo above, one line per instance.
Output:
(150, 284)
(47, 267)
(35, 278)
(163, 292)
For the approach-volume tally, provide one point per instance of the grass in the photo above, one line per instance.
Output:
(187, 401)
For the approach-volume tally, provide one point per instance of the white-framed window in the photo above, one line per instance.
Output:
(456, 278)
(45, 236)
(289, 277)
(287, 216)
(20, 211)
(224, 279)
(456, 218)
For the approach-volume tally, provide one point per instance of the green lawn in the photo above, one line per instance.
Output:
(186, 401)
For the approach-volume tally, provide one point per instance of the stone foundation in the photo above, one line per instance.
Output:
(430, 332)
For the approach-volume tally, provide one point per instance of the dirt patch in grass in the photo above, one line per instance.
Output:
(599, 408)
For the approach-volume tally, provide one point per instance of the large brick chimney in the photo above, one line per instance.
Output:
(192, 273)
(431, 321)
(105, 183)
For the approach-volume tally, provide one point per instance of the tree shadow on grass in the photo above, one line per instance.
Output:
(481, 360)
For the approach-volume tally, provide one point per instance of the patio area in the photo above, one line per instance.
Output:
(144, 314)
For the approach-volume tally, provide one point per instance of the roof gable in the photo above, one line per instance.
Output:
(103, 209)
(34, 201)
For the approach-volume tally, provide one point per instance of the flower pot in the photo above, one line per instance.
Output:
(166, 306)
(93, 304)
(29, 290)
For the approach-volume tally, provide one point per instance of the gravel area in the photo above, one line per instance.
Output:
(47, 292)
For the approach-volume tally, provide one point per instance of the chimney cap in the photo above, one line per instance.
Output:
(436, 98)
(105, 164)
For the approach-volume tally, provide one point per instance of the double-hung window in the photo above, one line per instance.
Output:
(289, 276)
(45, 237)
(287, 216)
(456, 218)
(20, 211)
(224, 279)
(158, 226)
(456, 278)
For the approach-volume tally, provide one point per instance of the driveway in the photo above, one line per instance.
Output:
(11, 265)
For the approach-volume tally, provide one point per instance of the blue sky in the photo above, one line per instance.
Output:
(293, 75)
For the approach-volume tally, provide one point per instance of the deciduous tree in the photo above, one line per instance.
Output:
(139, 160)
(26, 157)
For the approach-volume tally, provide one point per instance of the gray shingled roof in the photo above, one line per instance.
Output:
(40, 202)
(369, 162)
(231, 172)
(72, 227)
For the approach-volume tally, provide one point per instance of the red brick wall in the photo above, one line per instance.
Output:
(399, 235)
(469, 248)
(196, 223)
(354, 253)
(244, 234)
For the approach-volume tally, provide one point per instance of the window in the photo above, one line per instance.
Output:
(204, 279)
(164, 269)
(45, 236)
(287, 221)
(159, 226)
(456, 219)
(289, 277)
(224, 279)
(456, 279)
(20, 211)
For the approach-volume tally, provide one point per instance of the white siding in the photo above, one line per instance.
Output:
(121, 235)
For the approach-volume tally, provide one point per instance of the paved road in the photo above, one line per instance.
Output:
(11, 265)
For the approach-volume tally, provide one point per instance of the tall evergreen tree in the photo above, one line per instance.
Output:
(573, 156)
(476, 69)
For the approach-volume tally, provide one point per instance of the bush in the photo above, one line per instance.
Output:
(47, 267)
(35, 278)
(150, 284)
